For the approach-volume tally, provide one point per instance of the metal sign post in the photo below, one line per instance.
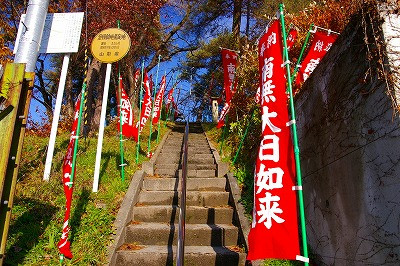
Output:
(61, 34)
(108, 46)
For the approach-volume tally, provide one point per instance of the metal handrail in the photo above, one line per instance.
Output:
(182, 209)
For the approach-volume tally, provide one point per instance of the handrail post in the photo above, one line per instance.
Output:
(182, 212)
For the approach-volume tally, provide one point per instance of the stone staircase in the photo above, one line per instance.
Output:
(210, 237)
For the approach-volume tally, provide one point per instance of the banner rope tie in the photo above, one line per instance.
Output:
(291, 122)
(297, 187)
(287, 62)
(303, 259)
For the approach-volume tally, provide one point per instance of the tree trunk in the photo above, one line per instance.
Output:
(237, 14)
(69, 107)
(98, 100)
(93, 78)
(134, 89)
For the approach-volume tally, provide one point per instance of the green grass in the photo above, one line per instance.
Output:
(38, 211)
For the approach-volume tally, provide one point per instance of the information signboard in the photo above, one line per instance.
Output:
(110, 45)
(61, 33)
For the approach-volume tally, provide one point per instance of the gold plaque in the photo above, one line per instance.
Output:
(110, 45)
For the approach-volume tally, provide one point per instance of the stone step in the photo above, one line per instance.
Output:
(194, 214)
(199, 166)
(204, 173)
(193, 184)
(199, 151)
(204, 160)
(166, 171)
(191, 166)
(195, 234)
(194, 157)
(166, 255)
(193, 198)
(167, 165)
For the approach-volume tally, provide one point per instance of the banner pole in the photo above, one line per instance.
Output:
(159, 119)
(295, 140)
(101, 129)
(293, 77)
(223, 134)
(77, 131)
(121, 144)
(152, 109)
(140, 113)
(56, 117)
(243, 138)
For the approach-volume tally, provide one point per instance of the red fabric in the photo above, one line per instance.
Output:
(158, 101)
(146, 107)
(64, 246)
(229, 62)
(321, 44)
(258, 96)
(136, 77)
(128, 125)
(224, 112)
(176, 112)
(274, 231)
(291, 38)
(169, 99)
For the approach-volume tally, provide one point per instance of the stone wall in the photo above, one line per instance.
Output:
(349, 139)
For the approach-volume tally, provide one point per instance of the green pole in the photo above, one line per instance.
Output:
(81, 106)
(152, 108)
(243, 138)
(302, 52)
(140, 112)
(295, 141)
(159, 119)
(223, 134)
(121, 140)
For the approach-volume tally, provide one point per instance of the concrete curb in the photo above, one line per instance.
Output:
(148, 167)
(131, 197)
(124, 214)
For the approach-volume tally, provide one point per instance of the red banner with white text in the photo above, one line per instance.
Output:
(274, 230)
(291, 38)
(169, 99)
(158, 101)
(321, 44)
(125, 112)
(64, 245)
(146, 106)
(229, 63)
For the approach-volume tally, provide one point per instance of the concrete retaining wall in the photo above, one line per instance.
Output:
(349, 140)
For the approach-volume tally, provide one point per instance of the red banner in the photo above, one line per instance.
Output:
(136, 77)
(126, 111)
(224, 112)
(291, 38)
(146, 106)
(274, 231)
(158, 101)
(176, 112)
(258, 96)
(229, 62)
(169, 98)
(321, 44)
(64, 246)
